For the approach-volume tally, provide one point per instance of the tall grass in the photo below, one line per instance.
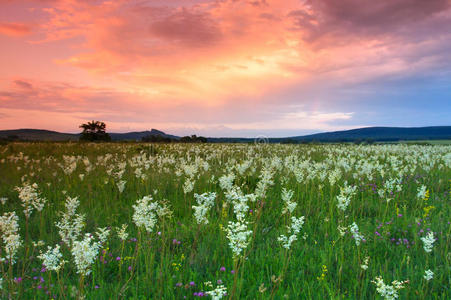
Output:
(179, 257)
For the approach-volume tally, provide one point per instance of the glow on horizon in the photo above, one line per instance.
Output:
(224, 67)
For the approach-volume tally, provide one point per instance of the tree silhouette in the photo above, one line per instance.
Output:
(94, 131)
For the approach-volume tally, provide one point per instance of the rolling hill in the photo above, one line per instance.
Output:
(376, 134)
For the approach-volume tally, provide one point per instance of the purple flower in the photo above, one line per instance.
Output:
(130, 268)
(222, 269)
(233, 271)
(96, 287)
(118, 258)
(377, 233)
(219, 281)
(178, 284)
(159, 233)
(133, 239)
(191, 283)
(39, 287)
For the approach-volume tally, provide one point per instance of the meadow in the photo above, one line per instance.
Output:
(230, 221)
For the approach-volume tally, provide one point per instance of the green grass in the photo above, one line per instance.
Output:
(163, 269)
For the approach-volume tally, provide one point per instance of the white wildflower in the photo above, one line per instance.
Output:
(289, 205)
(226, 181)
(421, 192)
(71, 223)
(30, 198)
(3, 200)
(121, 185)
(38, 243)
(122, 232)
(355, 233)
(145, 213)
(389, 292)
(428, 242)
(346, 192)
(238, 235)
(342, 230)
(188, 186)
(266, 180)
(296, 225)
(205, 202)
(218, 293)
(364, 266)
(52, 258)
(428, 275)
(163, 209)
(85, 253)
(9, 228)
(102, 234)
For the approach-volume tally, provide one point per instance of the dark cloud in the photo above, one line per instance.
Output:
(23, 84)
(369, 17)
(186, 27)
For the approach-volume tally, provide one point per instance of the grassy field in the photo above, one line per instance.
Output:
(141, 221)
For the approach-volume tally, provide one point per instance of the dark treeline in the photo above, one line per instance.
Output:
(164, 139)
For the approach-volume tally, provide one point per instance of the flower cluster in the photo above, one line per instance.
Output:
(205, 202)
(30, 198)
(389, 292)
(428, 242)
(346, 192)
(428, 275)
(52, 258)
(364, 266)
(102, 234)
(145, 213)
(238, 235)
(358, 237)
(122, 232)
(9, 228)
(289, 205)
(84, 253)
(421, 192)
(71, 223)
(296, 225)
(217, 293)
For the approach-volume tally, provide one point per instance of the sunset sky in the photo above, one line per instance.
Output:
(225, 67)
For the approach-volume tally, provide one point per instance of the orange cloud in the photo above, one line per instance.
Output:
(14, 29)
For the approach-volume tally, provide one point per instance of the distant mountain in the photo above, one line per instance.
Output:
(137, 136)
(37, 135)
(376, 134)
(47, 135)
(361, 134)
(380, 134)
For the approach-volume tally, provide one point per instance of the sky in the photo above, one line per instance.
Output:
(241, 68)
